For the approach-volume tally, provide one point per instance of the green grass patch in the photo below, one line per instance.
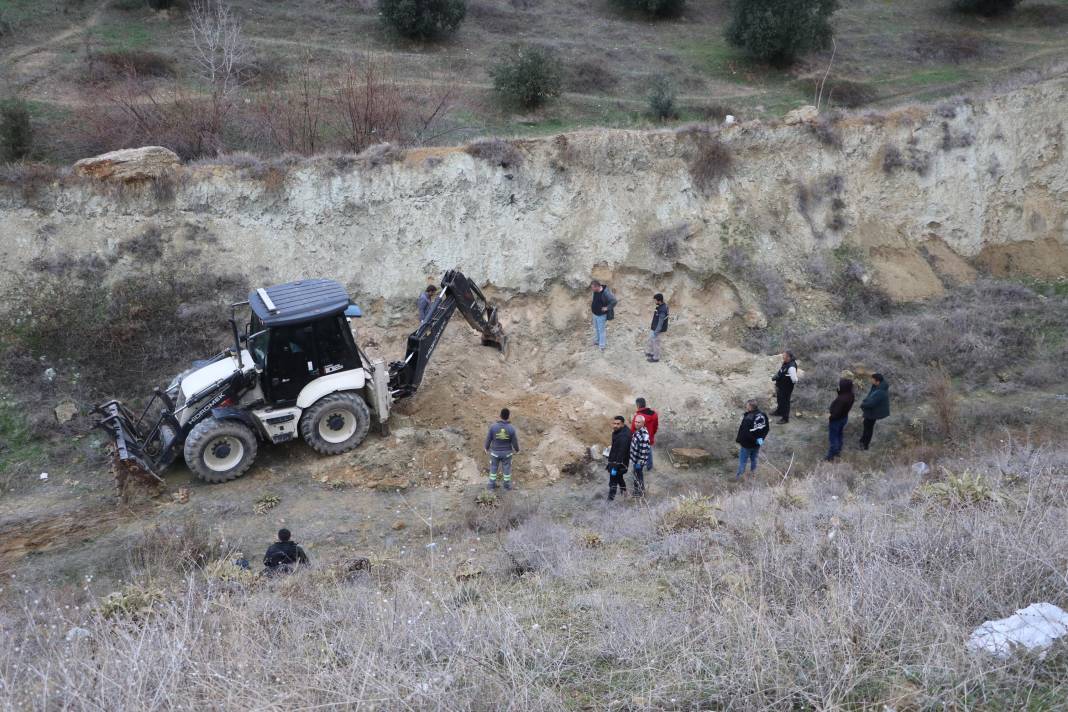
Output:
(942, 75)
(718, 59)
(119, 36)
(17, 444)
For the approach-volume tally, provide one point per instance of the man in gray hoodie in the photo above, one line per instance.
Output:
(501, 443)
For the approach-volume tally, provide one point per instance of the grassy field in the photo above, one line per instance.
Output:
(894, 51)
(847, 589)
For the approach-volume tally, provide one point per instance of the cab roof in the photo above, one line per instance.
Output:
(297, 302)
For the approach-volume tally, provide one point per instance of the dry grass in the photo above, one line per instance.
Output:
(835, 605)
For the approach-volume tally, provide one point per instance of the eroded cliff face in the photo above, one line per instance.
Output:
(927, 193)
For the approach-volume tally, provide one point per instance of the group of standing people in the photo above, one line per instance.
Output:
(632, 447)
(603, 305)
(755, 426)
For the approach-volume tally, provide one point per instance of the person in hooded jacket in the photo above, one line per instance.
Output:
(875, 406)
(839, 416)
(751, 433)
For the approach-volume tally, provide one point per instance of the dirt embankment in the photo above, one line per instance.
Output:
(983, 180)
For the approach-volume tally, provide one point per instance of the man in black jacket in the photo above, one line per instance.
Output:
(839, 416)
(784, 386)
(658, 326)
(283, 555)
(751, 433)
(618, 457)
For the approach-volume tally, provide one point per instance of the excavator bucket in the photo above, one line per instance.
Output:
(137, 451)
(472, 303)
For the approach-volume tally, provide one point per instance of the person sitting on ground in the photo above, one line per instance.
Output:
(839, 416)
(283, 556)
(875, 406)
(639, 454)
(657, 327)
(502, 442)
(426, 303)
(652, 424)
(618, 457)
(752, 431)
(785, 380)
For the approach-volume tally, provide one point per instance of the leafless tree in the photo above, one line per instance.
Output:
(219, 53)
(293, 120)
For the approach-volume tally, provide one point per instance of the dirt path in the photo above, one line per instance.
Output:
(31, 61)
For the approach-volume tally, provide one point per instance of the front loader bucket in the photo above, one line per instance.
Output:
(137, 452)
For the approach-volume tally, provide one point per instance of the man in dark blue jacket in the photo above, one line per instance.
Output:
(658, 326)
(875, 406)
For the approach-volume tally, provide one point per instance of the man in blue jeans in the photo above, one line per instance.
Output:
(602, 306)
(839, 416)
(751, 433)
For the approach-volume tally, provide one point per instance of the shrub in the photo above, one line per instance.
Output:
(662, 99)
(16, 131)
(184, 546)
(423, 19)
(653, 8)
(141, 63)
(943, 401)
(590, 76)
(499, 152)
(665, 242)
(778, 31)
(956, 491)
(712, 162)
(692, 511)
(530, 77)
(986, 8)
(849, 94)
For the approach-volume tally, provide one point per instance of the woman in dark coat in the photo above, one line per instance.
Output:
(839, 416)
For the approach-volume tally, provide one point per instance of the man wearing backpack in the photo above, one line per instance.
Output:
(656, 328)
(283, 556)
(603, 307)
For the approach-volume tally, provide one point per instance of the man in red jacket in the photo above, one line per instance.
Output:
(652, 421)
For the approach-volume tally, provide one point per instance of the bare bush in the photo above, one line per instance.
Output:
(498, 152)
(711, 162)
(369, 107)
(943, 395)
(666, 242)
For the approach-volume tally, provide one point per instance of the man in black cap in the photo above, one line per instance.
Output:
(283, 555)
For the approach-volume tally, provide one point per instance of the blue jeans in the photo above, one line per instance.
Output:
(835, 435)
(600, 328)
(744, 454)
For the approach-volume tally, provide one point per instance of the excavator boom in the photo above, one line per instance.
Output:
(458, 293)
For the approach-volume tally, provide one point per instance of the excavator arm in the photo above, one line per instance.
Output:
(458, 293)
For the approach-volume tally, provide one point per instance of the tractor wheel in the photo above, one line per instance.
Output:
(335, 423)
(220, 450)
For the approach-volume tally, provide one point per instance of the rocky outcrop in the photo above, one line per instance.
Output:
(129, 164)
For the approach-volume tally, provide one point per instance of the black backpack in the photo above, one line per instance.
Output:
(611, 314)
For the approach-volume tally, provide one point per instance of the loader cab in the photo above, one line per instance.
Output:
(297, 334)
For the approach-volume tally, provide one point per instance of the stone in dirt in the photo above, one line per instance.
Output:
(1033, 628)
(801, 115)
(65, 412)
(689, 456)
(129, 164)
(398, 525)
(181, 496)
(467, 571)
